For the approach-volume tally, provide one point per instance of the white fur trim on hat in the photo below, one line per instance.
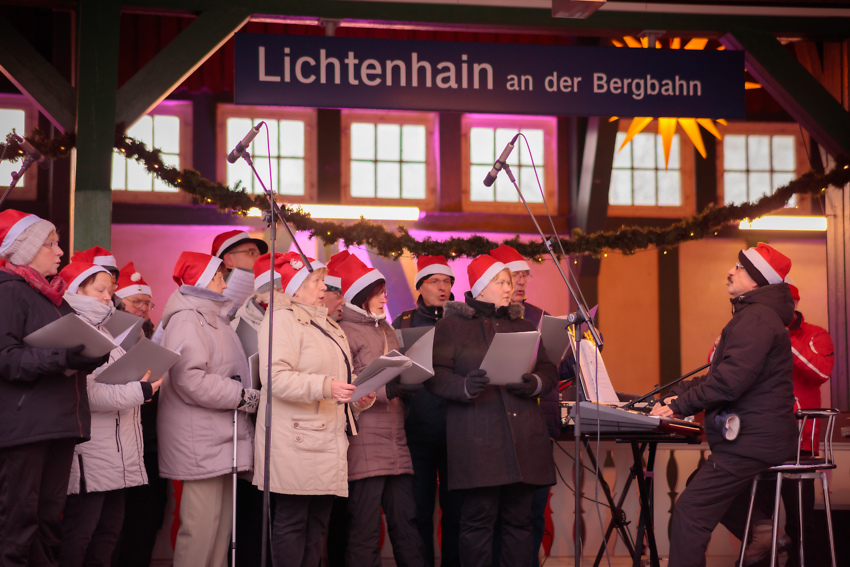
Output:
(762, 266)
(263, 279)
(362, 282)
(231, 241)
(434, 269)
(208, 273)
(486, 278)
(17, 229)
(81, 277)
(301, 275)
(333, 281)
(105, 261)
(518, 266)
(133, 290)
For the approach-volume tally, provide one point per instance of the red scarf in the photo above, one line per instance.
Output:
(51, 290)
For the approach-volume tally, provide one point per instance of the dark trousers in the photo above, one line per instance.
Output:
(511, 505)
(812, 542)
(33, 485)
(430, 472)
(538, 521)
(366, 497)
(90, 528)
(338, 532)
(299, 524)
(718, 492)
(249, 524)
(144, 512)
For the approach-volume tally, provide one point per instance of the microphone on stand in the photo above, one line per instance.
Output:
(500, 163)
(39, 158)
(576, 317)
(242, 146)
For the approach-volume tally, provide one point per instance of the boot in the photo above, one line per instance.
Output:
(759, 547)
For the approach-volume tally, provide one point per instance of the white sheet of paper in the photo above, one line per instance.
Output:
(120, 322)
(70, 331)
(594, 376)
(408, 337)
(376, 380)
(254, 366)
(248, 337)
(145, 355)
(240, 286)
(392, 359)
(157, 333)
(421, 354)
(510, 356)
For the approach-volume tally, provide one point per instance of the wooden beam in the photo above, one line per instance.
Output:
(179, 59)
(36, 77)
(838, 290)
(794, 88)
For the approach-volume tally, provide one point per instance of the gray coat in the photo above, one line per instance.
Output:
(198, 395)
(380, 446)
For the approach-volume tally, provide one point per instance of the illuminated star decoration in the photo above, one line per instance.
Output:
(667, 126)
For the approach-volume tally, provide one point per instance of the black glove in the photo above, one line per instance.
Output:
(526, 388)
(395, 389)
(475, 382)
(75, 360)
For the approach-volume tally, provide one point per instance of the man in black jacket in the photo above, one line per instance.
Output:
(749, 382)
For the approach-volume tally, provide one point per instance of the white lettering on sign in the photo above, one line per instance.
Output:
(640, 87)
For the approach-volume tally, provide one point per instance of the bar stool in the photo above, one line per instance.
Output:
(803, 467)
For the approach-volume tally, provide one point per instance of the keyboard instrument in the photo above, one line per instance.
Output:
(610, 419)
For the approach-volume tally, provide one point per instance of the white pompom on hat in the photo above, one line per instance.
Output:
(481, 272)
(195, 269)
(131, 282)
(293, 271)
(76, 273)
(22, 235)
(509, 256)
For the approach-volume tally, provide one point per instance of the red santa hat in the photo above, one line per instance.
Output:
(195, 269)
(481, 272)
(510, 258)
(96, 255)
(357, 277)
(22, 236)
(130, 282)
(764, 264)
(263, 270)
(76, 273)
(227, 240)
(293, 271)
(795, 293)
(333, 279)
(430, 265)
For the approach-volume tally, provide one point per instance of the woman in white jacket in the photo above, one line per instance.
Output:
(113, 459)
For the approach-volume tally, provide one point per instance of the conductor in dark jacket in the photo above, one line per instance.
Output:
(749, 378)
(498, 445)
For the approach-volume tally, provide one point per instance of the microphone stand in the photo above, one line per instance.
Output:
(598, 340)
(632, 403)
(271, 217)
(16, 176)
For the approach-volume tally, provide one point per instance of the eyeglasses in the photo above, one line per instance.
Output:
(250, 251)
(738, 265)
(141, 303)
(519, 276)
(385, 293)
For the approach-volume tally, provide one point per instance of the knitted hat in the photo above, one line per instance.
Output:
(357, 279)
(795, 293)
(263, 270)
(481, 272)
(227, 240)
(76, 273)
(510, 258)
(333, 281)
(430, 265)
(293, 271)
(130, 282)
(195, 269)
(764, 264)
(22, 235)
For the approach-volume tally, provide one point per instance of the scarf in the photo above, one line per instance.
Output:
(376, 318)
(90, 309)
(53, 291)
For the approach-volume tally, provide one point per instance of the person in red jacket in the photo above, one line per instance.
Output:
(813, 361)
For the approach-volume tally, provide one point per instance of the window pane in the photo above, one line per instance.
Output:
(389, 142)
(503, 136)
(477, 190)
(759, 183)
(535, 140)
(783, 155)
(172, 160)
(620, 192)
(291, 138)
(11, 118)
(137, 178)
(119, 171)
(735, 152)
(240, 171)
(644, 193)
(669, 187)
(505, 190)
(389, 180)
(362, 141)
(362, 179)
(166, 133)
(622, 158)
(673, 161)
(481, 146)
(643, 151)
(528, 184)
(413, 143)
(142, 130)
(291, 177)
(413, 177)
(734, 187)
(261, 147)
(781, 178)
(758, 153)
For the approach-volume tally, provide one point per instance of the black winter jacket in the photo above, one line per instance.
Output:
(37, 401)
(750, 375)
(496, 438)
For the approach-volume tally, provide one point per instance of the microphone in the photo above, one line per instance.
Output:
(242, 146)
(500, 163)
(576, 317)
(39, 158)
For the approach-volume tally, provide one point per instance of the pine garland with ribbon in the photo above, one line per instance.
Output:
(387, 243)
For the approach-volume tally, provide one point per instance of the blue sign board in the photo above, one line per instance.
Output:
(328, 72)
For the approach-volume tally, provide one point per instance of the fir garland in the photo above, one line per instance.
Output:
(627, 240)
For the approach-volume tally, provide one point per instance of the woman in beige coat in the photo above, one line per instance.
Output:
(311, 382)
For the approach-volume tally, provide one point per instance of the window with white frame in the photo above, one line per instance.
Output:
(388, 157)
(643, 184)
(756, 164)
(532, 161)
(18, 114)
(284, 151)
(167, 128)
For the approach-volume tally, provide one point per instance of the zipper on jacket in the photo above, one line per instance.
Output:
(21, 401)
(83, 489)
(117, 435)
